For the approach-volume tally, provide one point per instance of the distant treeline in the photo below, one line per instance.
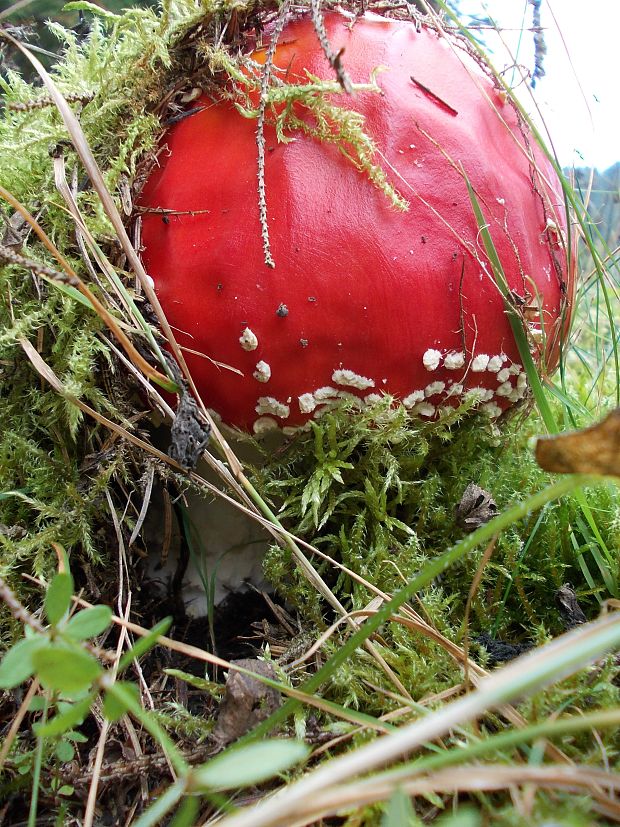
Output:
(601, 192)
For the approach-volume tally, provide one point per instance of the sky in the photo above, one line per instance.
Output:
(580, 93)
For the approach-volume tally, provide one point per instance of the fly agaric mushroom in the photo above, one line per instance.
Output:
(365, 298)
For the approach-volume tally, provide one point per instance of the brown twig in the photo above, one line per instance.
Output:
(41, 103)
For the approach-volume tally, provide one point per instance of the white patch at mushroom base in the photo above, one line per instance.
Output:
(229, 545)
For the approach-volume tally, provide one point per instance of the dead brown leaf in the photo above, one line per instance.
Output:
(594, 450)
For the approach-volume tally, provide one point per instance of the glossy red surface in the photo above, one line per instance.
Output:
(369, 289)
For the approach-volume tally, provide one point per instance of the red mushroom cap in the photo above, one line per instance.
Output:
(364, 298)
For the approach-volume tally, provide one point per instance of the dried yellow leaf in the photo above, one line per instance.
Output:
(594, 450)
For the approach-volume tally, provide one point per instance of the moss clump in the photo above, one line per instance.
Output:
(378, 493)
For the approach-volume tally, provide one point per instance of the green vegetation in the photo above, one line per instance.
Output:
(369, 501)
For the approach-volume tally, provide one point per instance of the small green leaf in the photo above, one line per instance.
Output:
(145, 643)
(17, 665)
(58, 597)
(66, 670)
(72, 715)
(65, 751)
(399, 811)
(88, 623)
(115, 705)
(249, 765)
(66, 789)
(77, 737)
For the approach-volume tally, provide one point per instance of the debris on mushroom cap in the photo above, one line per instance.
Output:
(262, 372)
(364, 296)
(454, 360)
(248, 339)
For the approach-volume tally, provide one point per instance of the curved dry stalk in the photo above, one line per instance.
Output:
(23, 710)
(578, 779)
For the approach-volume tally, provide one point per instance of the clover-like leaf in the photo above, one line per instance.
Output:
(88, 623)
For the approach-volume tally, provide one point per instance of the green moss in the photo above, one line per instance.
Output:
(378, 491)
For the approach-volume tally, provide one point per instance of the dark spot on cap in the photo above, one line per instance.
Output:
(165, 219)
(311, 298)
(220, 286)
(423, 239)
(303, 342)
(282, 311)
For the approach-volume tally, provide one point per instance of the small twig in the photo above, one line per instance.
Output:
(260, 133)
(19, 611)
(41, 103)
(142, 767)
(434, 96)
(334, 58)
(36, 267)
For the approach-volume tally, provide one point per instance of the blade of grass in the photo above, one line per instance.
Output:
(515, 320)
